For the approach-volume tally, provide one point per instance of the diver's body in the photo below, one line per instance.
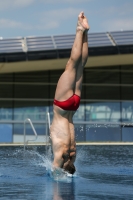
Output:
(67, 100)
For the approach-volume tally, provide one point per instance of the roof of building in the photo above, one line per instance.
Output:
(59, 46)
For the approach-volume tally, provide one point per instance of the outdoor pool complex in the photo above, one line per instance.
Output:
(103, 172)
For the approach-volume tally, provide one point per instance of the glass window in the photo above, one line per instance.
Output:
(102, 92)
(6, 90)
(6, 110)
(19, 129)
(107, 98)
(126, 93)
(105, 75)
(55, 75)
(31, 91)
(103, 111)
(6, 133)
(102, 83)
(32, 77)
(31, 85)
(103, 132)
(8, 78)
(127, 75)
(52, 91)
(80, 113)
(34, 110)
(127, 111)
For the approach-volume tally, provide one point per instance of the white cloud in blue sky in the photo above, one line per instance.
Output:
(55, 17)
(14, 4)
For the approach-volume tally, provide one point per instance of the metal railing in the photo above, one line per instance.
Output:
(48, 117)
(47, 132)
(26, 142)
(35, 133)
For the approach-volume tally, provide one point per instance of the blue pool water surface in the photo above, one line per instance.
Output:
(103, 172)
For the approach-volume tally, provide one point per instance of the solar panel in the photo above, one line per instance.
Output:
(99, 39)
(95, 40)
(64, 41)
(11, 45)
(39, 43)
(46, 43)
(122, 37)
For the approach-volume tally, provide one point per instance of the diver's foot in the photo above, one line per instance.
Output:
(82, 22)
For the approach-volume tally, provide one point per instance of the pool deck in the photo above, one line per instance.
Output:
(78, 143)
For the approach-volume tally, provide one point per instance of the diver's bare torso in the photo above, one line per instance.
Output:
(62, 135)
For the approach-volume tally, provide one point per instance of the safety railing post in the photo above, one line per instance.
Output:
(47, 131)
(28, 120)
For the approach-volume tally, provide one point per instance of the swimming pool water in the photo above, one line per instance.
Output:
(103, 172)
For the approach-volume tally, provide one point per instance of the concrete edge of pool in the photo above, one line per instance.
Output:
(78, 143)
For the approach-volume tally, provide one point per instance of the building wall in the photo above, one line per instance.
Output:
(105, 112)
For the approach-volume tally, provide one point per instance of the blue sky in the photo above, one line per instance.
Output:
(57, 17)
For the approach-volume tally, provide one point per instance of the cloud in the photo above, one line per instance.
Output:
(61, 14)
(23, 3)
(12, 24)
(48, 20)
(126, 9)
(7, 23)
(123, 9)
(118, 24)
(116, 17)
(8, 4)
(65, 1)
(58, 16)
(46, 26)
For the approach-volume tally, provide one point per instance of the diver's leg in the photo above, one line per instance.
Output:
(81, 65)
(66, 84)
(69, 165)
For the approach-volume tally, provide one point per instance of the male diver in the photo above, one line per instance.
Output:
(67, 100)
